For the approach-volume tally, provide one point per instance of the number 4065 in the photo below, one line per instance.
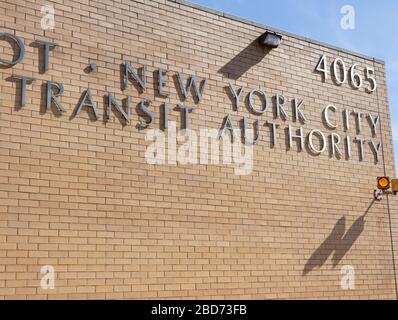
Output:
(340, 73)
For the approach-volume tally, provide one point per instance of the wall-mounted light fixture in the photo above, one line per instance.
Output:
(270, 40)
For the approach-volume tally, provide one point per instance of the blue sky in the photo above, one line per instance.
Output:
(376, 24)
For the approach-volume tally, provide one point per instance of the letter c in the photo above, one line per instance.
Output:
(21, 48)
(326, 116)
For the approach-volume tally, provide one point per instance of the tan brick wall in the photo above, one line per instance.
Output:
(78, 194)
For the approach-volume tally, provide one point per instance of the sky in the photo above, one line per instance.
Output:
(375, 30)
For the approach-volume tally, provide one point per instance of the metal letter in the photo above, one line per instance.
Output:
(237, 95)
(300, 137)
(376, 149)
(265, 105)
(21, 48)
(348, 147)
(192, 82)
(280, 107)
(346, 120)
(130, 70)
(47, 45)
(326, 116)
(274, 126)
(90, 103)
(360, 143)
(185, 110)
(359, 121)
(24, 81)
(298, 114)
(227, 125)
(311, 144)
(172, 143)
(51, 96)
(113, 102)
(151, 116)
(162, 82)
(256, 132)
(335, 140)
(165, 116)
(374, 122)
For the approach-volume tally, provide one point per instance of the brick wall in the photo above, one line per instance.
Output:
(77, 193)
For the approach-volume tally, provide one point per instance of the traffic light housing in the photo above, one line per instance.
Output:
(383, 183)
(394, 186)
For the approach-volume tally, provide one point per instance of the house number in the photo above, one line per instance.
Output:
(340, 74)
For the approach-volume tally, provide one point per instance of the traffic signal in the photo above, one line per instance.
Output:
(383, 183)
(394, 186)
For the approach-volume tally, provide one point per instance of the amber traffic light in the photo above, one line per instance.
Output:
(394, 186)
(383, 183)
